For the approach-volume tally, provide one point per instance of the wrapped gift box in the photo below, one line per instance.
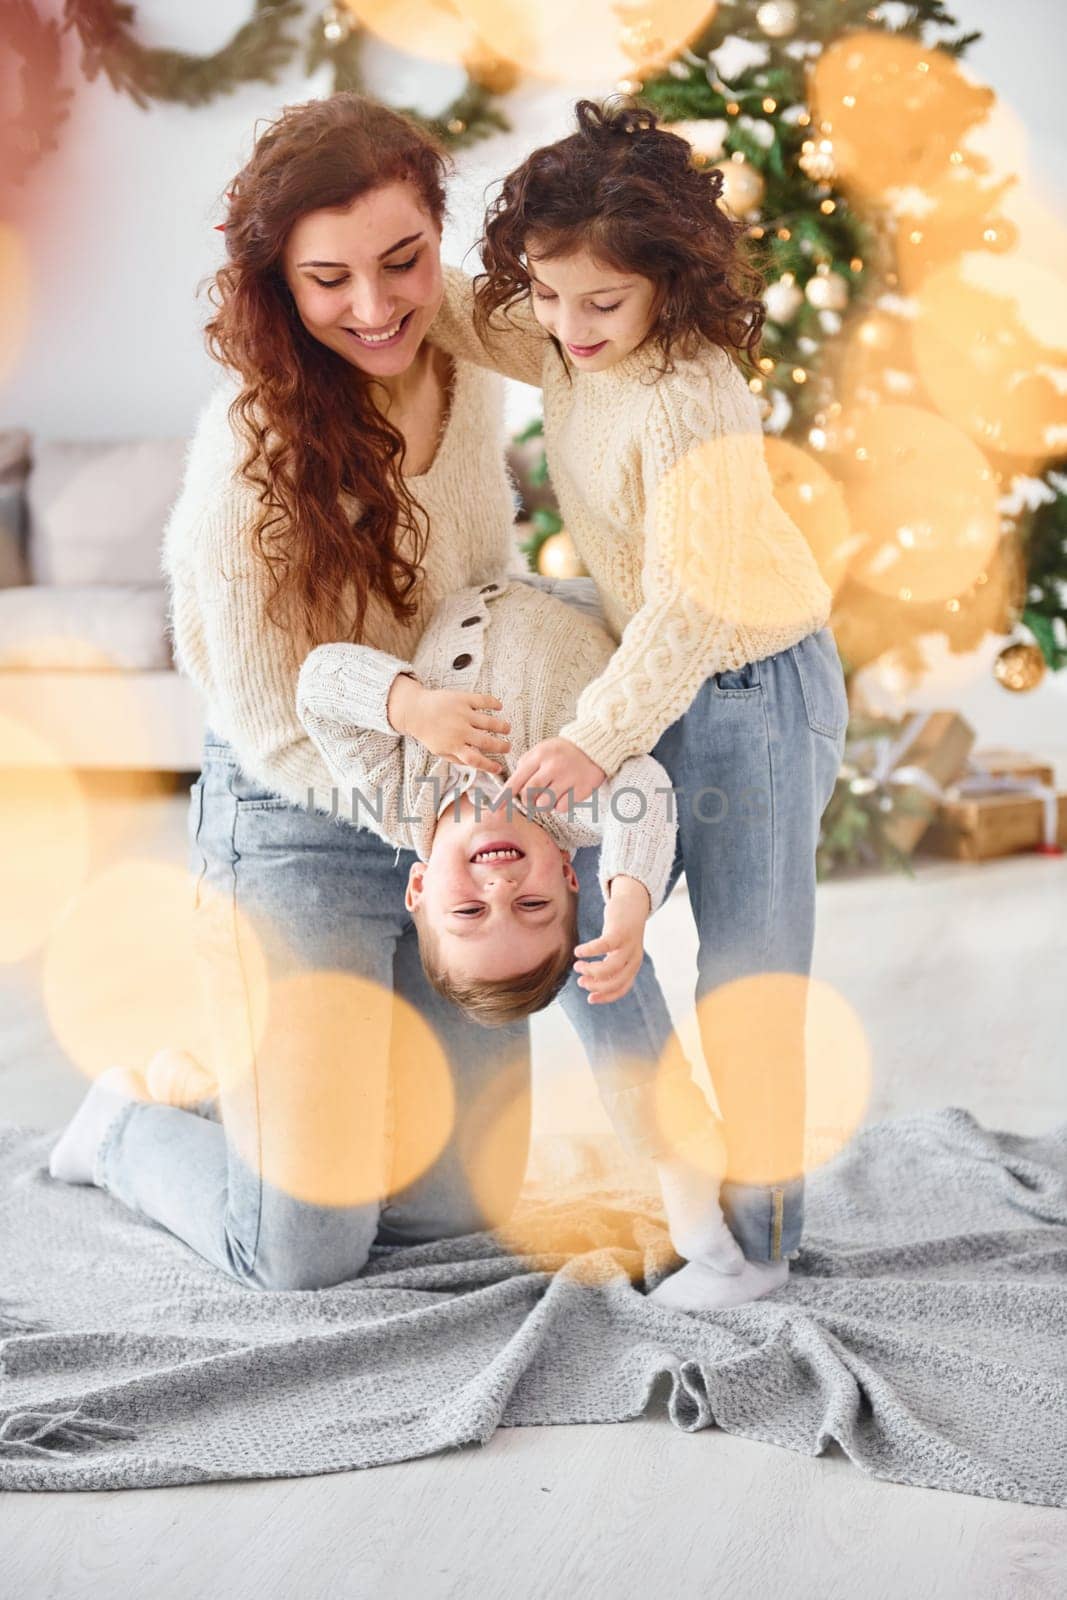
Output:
(1012, 764)
(979, 827)
(928, 754)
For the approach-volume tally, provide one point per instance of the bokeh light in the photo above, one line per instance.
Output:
(433, 29)
(893, 109)
(923, 497)
(314, 1116)
(816, 502)
(568, 43)
(44, 823)
(990, 353)
(725, 483)
(121, 974)
(14, 297)
(791, 1067)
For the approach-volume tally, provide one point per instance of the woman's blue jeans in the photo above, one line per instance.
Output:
(325, 1136)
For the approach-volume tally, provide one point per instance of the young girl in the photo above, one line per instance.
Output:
(615, 282)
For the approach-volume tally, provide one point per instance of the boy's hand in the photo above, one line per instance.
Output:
(449, 722)
(622, 943)
(558, 765)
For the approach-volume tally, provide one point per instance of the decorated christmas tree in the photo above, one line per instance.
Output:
(913, 429)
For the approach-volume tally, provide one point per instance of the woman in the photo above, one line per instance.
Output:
(348, 478)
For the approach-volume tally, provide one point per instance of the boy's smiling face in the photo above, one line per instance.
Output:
(494, 914)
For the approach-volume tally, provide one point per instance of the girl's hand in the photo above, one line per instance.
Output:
(450, 722)
(621, 945)
(558, 765)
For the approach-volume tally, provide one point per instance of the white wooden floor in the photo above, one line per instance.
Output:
(958, 979)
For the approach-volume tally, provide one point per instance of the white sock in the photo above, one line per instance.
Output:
(698, 1287)
(73, 1158)
(690, 1190)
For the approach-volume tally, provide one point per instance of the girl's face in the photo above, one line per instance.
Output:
(367, 280)
(598, 314)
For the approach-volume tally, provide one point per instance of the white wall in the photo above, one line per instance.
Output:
(120, 220)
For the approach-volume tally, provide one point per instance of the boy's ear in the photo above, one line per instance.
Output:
(413, 892)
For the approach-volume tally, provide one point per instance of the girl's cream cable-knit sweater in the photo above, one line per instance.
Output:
(663, 487)
(247, 669)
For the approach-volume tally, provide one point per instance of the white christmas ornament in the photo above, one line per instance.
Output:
(827, 291)
(777, 18)
(783, 300)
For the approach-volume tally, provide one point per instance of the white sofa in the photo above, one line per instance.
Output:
(87, 672)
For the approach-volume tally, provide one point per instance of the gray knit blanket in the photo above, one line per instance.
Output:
(923, 1330)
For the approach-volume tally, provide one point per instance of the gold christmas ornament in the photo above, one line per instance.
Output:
(743, 185)
(777, 18)
(489, 71)
(827, 291)
(557, 558)
(1019, 667)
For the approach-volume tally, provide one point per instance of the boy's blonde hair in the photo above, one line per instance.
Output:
(494, 1002)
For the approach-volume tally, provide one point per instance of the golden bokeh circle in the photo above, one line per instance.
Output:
(433, 29)
(724, 483)
(565, 43)
(816, 502)
(14, 297)
(121, 974)
(987, 350)
(922, 497)
(313, 1114)
(790, 1063)
(45, 826)
(894, 109)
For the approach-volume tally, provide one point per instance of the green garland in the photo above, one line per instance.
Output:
(45, 103)
(255, 54)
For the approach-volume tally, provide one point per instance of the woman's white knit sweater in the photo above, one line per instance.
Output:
(664, 489)
(534, 653)
(245, 667)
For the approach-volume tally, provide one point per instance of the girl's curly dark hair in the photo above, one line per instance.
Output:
(307, 417)
(626, 190)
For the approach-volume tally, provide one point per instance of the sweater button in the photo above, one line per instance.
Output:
(468, 622)
(462, 661)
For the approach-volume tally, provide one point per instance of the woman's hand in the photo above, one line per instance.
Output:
(621, 944)
(450, 722)
(558, 765)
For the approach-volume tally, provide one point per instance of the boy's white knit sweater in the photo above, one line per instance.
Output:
(534, 653)
(663, 487)
(246, 668)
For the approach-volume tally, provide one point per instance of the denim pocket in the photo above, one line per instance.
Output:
(253, 794)
(822, 683)
(739, 680)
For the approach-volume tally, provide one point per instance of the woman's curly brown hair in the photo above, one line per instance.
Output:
(626, 190)
(306, 415)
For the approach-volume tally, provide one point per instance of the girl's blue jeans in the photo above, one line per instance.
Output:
(754, 762)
